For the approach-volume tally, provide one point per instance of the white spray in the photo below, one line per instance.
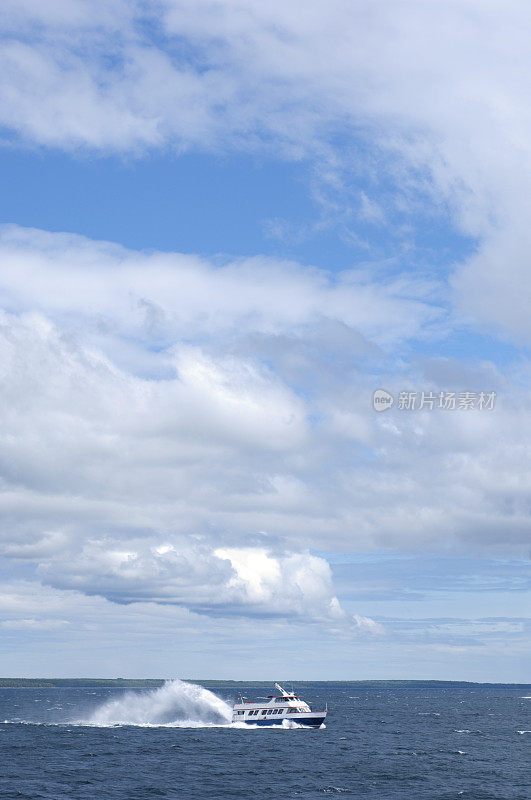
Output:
(176, 702)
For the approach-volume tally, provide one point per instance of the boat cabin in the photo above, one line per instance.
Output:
(280, 706)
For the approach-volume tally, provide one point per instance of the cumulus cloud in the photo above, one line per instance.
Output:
(182, 429)
(223, 582)
(296, 581)
(205, 488)
(257, 433)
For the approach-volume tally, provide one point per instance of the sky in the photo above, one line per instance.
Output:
(226, 224)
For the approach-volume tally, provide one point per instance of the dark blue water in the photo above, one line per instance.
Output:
(379, 743)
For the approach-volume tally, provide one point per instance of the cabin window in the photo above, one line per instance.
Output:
(264, 712)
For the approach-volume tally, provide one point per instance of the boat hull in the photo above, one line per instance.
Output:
(309, 721)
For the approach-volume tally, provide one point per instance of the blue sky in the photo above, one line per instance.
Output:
(224, 226)
(253, 203)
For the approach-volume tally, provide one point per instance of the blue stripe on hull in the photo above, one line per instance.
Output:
(312, 722)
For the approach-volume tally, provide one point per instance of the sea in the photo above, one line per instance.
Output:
(379, 742)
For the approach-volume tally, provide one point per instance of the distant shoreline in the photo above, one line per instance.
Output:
(154, 683)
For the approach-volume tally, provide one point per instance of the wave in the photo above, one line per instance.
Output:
(466, 730)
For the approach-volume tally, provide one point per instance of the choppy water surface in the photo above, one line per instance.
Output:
(177, 742)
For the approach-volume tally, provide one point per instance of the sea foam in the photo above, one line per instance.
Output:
(175, 703)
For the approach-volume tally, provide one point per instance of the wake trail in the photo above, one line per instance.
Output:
(175, 703)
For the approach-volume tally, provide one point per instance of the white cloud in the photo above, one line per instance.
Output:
(436, 91)
(257, 432)
(368, 625)
(153, 640)
(181, 431)
(223, 582)
(493, 285)
(33, 624)
(297, 581)
(162, 296)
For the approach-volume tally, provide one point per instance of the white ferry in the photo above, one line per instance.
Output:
(283, 706)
